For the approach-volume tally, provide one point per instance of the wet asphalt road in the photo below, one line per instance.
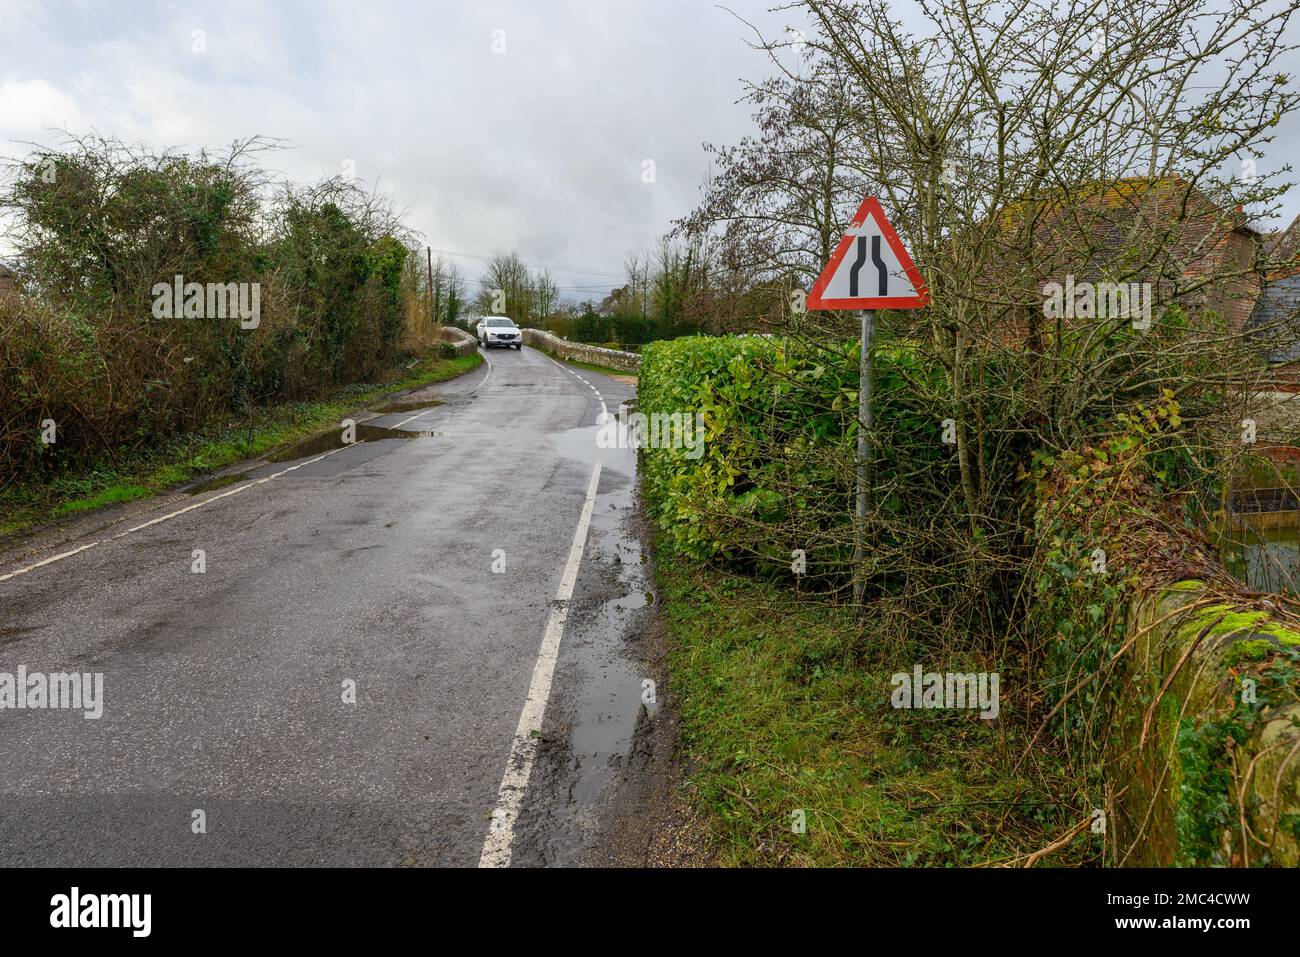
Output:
(224, 690)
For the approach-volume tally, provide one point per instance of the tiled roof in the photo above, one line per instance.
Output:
(1284, 245)
(1157, 229)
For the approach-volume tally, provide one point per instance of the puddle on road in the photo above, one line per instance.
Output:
(333, 439)
(611, 704)
(607, 707)
(607, 444)
(584, 445)
(324, 442)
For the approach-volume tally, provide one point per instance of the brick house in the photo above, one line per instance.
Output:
(1191, 249)
(1164, 232)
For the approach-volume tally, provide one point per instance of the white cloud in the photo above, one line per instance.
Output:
(29, 106)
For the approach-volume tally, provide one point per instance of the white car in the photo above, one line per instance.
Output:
(499, 331)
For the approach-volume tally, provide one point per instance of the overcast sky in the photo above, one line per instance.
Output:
(537, 148)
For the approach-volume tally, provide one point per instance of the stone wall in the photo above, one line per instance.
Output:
(460, 340)
(1205, 764)
(562, 348)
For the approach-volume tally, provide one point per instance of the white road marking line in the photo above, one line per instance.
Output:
(603, 408)
(523, 750)
(49, 561)
(416, 416)
(170, 515)
(234, 491)
(482, 385)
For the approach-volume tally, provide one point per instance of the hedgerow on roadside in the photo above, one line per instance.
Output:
(777, 468)
(98, 227)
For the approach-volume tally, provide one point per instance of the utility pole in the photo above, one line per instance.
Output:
(433, 316)
(864, 455)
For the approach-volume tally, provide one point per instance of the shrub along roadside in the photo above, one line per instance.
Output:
(785, 701)
(96, 346)
(777, 470)
(153, 470)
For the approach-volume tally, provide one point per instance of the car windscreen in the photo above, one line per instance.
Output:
(499, 322)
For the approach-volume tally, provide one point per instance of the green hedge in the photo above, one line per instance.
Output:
(777, 470)
(85, 348)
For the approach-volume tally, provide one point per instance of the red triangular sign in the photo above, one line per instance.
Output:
(878, 275)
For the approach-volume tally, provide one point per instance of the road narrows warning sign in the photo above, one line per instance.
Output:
(878, 275)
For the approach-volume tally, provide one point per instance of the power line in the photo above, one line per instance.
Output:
(583, 272)
(488, 284)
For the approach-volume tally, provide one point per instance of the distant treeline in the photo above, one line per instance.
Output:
(682, 287)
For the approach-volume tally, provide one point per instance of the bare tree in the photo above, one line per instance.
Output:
(507, 276)
(547, 295)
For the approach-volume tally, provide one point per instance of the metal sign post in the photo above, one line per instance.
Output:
(864, 453)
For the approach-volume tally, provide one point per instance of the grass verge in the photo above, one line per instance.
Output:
(785, 707)
(150, 471)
